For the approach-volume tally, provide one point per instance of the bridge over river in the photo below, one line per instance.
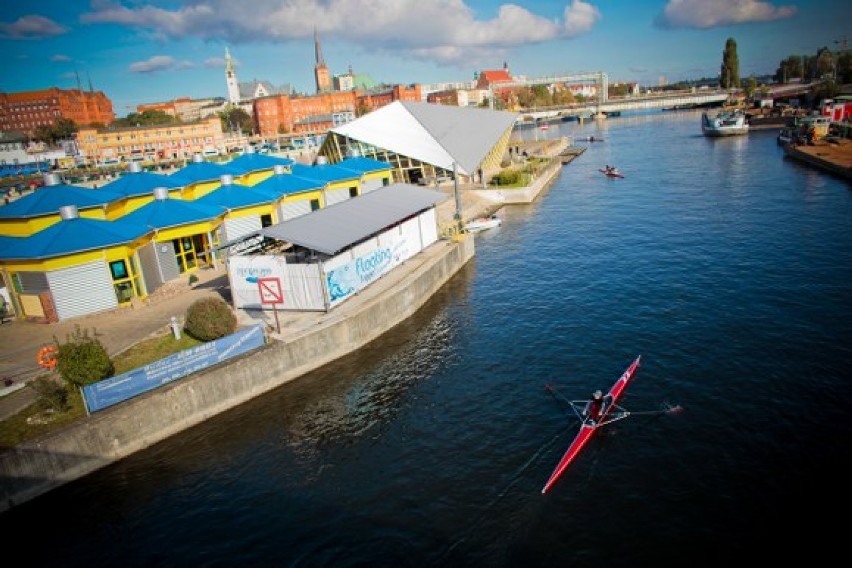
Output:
(669, 99)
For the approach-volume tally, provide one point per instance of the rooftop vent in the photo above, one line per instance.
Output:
(161, 193)
(249, 149)
(279, 169)
(197, 158)
(226, 179)
(353, 153)
(52, 178)
(322, 160)
(134, 167)
(68, 212)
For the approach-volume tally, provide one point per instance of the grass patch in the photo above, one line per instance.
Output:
(33, 422)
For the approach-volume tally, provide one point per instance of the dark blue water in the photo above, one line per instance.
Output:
(726, 266)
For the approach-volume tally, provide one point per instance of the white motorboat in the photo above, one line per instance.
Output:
(482, 223)
(724, 123)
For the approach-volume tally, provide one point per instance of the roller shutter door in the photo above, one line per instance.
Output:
(82, 289)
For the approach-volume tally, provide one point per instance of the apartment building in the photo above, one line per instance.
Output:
(151, 143)
(27, 110)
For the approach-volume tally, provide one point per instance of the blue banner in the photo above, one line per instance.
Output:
(122, 387)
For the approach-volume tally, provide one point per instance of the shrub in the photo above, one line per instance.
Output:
(83, 360)
(193, 279)
(50, 395)
(210, 318)
(508, 177)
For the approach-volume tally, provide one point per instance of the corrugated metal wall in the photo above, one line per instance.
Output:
(236, 228)
(336, 196)
(293, 209)
(150, 268)
(370, 185)
(166, 260)
(82, 289)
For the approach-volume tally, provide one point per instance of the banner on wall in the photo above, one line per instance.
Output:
(108, 392)
(347, 279)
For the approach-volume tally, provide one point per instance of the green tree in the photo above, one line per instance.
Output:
(729, 77)
(750, 86)
(236, 119)
(146, 118)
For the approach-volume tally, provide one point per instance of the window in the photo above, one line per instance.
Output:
(315, 204)
(265, 220)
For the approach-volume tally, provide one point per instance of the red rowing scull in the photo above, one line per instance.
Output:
(589, 426)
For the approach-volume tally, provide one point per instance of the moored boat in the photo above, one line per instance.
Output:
(724, 123)
(483, 223)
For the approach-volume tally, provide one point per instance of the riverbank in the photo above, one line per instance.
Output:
(304, 342)
(833, 155)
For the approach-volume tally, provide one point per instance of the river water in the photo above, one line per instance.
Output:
(725, 265)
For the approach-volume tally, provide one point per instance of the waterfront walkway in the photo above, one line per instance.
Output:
(121, 328)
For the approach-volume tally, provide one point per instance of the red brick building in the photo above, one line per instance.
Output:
(27, 110)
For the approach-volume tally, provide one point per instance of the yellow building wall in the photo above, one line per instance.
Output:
(173, 233)
(25, 227)
(200, 189)
(254, 178)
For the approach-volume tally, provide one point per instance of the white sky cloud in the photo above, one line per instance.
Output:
(440, 30)
(159, 63)
(31, 27)
(59, 57)
(703, 14)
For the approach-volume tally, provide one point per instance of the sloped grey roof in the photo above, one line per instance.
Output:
(432, 133)
(338, 226)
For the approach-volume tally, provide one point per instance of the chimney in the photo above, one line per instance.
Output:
(68, 212)
(52, 178)
(161, 193)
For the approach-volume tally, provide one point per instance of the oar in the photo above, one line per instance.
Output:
(670, 410)
(563, 399)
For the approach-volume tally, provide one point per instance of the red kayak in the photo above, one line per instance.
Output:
(610, 173)
(589, 426)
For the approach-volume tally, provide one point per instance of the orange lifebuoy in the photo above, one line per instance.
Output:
(47, 356)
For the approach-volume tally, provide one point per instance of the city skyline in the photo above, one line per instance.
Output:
(149, 51)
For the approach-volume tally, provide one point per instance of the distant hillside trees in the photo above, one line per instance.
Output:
(729, 76)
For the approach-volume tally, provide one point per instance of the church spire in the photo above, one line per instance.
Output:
(318, 49)
(321, 73)
(231, 79)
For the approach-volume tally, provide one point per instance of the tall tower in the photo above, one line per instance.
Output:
(231, 79)
(321, 73)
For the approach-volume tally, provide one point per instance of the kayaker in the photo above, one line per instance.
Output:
(595, 406)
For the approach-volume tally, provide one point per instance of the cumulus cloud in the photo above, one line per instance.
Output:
(31, 27)
(159, 63)
(216, 62)
(441, 30)
(703, 14)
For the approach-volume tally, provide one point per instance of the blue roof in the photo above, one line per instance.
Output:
(70, 236)
(236, 196)
(165, 213)
(257, 162)
(324, 172)
(364, 165)
(50, 198)
(140, 183)
(285, 184)
(201, 171)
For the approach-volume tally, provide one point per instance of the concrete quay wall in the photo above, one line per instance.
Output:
(32, 469)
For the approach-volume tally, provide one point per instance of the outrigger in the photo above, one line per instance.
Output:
(610, 412)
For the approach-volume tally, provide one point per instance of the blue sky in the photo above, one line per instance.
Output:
(139, 51)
